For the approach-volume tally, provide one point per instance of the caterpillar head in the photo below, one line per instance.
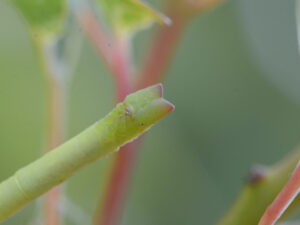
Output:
(142, 109)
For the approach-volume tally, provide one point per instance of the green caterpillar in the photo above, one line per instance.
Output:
(126, 121)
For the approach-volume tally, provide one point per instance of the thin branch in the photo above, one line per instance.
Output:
(114, 52)
(110, 210)
(166, 40)
(256, 196)
(283, 200)
(121, 69)
(56, 137)
(118, 61)
(112, 204)
(197, 6)
(110, 207)
(56, 121)
(96, 33)
(162, 50)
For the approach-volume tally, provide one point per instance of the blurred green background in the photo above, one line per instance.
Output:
(235, 83)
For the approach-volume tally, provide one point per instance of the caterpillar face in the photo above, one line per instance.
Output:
(147, 106)
(138, 113)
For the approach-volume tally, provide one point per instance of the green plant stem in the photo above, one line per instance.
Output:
(258, 194)
(125, 122)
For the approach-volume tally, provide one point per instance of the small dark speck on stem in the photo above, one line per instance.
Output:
(256, 175)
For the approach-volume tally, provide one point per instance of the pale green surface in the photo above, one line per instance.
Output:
(228, 116)
(128, 120)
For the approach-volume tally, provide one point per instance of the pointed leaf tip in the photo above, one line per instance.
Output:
(128, 16)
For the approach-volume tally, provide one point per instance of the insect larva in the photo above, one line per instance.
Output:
(126, 121)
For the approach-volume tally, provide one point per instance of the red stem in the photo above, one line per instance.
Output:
(96, 33)
(166, 40)
(51, 206)
(112, 208)
(56, 136)
(202, 5)
(283, 200)
(121, 70)
(55, 132)
(115, 198)
(162, 50)
(114, 52)
(117, 59)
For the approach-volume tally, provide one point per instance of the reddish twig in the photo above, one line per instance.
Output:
(56, 137)
(117, 58)
(165, 42)
(113, 204)
(51, 206)
(96, 33)
(283, 200)
(161, 51)
(203, 5)
(55, 133)
(118, 61)
(114, 52)
(112, 207)
(121, 69)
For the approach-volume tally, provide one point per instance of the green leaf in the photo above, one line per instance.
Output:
(128, 16)
(42, 15)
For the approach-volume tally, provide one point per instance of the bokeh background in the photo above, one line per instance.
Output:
(235, 83)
